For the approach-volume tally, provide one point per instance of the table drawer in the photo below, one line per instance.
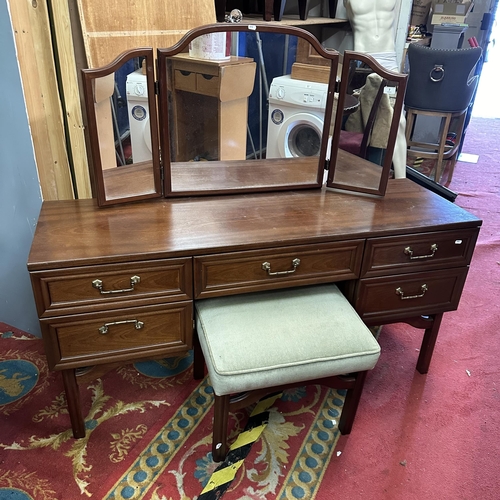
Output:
(408, 295)
(121, 335)
(104, 287)
(241, 272)
(418, 252)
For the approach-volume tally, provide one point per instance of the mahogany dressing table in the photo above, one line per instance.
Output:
(117, 284)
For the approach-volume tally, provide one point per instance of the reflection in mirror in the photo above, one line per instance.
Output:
(121, 106)
(246, 110)
(366, 125)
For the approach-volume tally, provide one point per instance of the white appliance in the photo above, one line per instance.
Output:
(138, 116)
(296, 117)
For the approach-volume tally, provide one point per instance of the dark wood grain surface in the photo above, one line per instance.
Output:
(72, 233)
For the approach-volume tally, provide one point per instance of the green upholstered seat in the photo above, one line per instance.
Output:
(281, 338)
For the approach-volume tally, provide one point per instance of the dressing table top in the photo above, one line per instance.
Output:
(76, 232)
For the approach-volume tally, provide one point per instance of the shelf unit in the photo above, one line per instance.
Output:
(294, 20)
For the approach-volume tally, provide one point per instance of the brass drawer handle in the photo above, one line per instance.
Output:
(267, 267)
(104, 328)
(409, 251)
(400, 292)
(133, 281)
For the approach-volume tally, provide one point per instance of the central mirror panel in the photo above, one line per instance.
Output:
(245, 108)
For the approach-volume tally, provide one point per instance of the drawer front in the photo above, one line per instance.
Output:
(117, 336)
(185, 80)
(418, 252)
(207, 84)
(241, 272)
(409, 295)
(199, 83)
(104, 287)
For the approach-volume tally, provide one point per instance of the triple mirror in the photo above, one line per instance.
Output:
(240, 108)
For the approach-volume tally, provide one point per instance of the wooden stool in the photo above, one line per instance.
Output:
(260, 343)
(440, 85)
(440, 151)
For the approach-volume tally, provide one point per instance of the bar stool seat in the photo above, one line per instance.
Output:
(441, 85)
(262, 342)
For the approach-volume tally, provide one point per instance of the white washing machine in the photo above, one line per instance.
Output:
(296, 117)
(138, 116)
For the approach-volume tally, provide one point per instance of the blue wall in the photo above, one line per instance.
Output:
(20, 197)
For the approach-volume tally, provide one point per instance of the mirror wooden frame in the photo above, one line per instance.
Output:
(345, 163)
(128, 178)
(181, 46)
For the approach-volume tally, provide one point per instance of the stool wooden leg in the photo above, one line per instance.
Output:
(351, 404)
(451, 167)
(410, 122)
(219, 436)
(442, 146)
(279, 7)
(198, 358)
(220, 10)
(332, 8)
(268, 10)
(453, 159)
(303, 9)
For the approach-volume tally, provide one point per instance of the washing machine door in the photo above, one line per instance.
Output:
(140, 133)
(300, 135)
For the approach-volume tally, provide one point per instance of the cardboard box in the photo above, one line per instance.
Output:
(450, 13)
(419, 12)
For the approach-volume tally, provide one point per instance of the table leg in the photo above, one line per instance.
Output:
(430, 324)
(428, 343)
(74, 405)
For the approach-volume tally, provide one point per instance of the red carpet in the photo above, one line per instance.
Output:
(438, 435)
(415, 436)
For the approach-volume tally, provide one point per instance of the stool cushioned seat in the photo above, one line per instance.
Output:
(282, 336)
(264, 342)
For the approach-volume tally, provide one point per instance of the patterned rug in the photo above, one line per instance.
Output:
(428, 167)
(148, 434)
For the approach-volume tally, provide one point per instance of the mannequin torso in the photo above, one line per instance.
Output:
(372, 23)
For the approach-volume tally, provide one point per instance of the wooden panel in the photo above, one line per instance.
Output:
(307, 54)
(309, 65)
(71, 95)
(310, 72)
(35, 54)
(145, 23)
